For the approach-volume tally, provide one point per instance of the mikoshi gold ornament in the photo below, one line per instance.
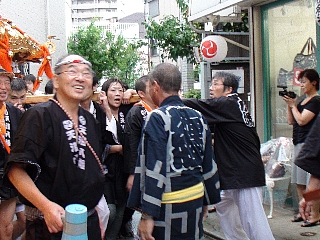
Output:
(18, 47)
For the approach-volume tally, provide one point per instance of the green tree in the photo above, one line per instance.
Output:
(123, 59)
(193, 93)
(111, 57)
(173, 36)
(242, 26)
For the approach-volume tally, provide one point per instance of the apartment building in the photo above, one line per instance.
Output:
(83, 11)
(107, 12)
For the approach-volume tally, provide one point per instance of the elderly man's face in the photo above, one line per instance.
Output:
(217, 88)
(4, 88)
(74, 79)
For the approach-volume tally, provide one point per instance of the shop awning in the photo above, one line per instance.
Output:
(203, 10)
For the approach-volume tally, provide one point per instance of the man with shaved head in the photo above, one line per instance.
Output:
(174, 178)
(55, 161)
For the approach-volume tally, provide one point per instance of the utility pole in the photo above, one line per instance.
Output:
(205, 77)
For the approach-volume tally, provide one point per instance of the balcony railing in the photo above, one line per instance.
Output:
(127, 30)
(94, 5)
(103, 15)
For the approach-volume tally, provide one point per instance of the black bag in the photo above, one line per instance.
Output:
(306, 61)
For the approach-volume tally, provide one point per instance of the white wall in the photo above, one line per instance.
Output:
(39, 19)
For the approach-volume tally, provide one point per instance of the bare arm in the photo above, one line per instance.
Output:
(305, 207)
(52, 212)
(130, 182)
(314, 183)
(293, 113)
(302, 118)
(116, 149)
(290, 117)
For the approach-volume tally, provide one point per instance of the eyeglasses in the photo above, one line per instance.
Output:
(65, 62)
(217, 84)
(74, 73)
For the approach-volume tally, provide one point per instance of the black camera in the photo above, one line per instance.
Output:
(287, 93)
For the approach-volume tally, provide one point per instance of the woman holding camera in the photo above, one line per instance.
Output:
(302, 117)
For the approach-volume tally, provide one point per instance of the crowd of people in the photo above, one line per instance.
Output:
(155, 156)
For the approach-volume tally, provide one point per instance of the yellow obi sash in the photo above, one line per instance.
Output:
(184, 195)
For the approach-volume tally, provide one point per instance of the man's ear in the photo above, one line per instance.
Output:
(141, 94)
(155, 86)
(55, 81)
(229, 90)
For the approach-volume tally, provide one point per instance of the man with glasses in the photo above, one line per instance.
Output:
(55, 159)
(237, 153)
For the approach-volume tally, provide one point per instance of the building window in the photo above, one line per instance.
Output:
(153, 48)
(285, 34)
(154, 8)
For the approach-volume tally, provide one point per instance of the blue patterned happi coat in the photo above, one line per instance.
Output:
(175, 153)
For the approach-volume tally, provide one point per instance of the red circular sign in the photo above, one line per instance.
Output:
(209, 49)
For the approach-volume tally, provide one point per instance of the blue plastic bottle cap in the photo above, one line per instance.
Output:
(76, 213)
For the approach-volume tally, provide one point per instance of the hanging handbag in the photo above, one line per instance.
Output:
(309, 60)
(284, 77)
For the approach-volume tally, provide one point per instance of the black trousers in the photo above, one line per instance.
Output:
(127, 216)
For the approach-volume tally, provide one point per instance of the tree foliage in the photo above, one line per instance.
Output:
(173, 37)
(183, 6)
(242, 26)
(193, 93)
(111, 57)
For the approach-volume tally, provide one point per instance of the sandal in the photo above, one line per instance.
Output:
(297, 219)
(309, 224)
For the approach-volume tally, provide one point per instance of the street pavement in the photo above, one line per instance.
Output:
(281, 226)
